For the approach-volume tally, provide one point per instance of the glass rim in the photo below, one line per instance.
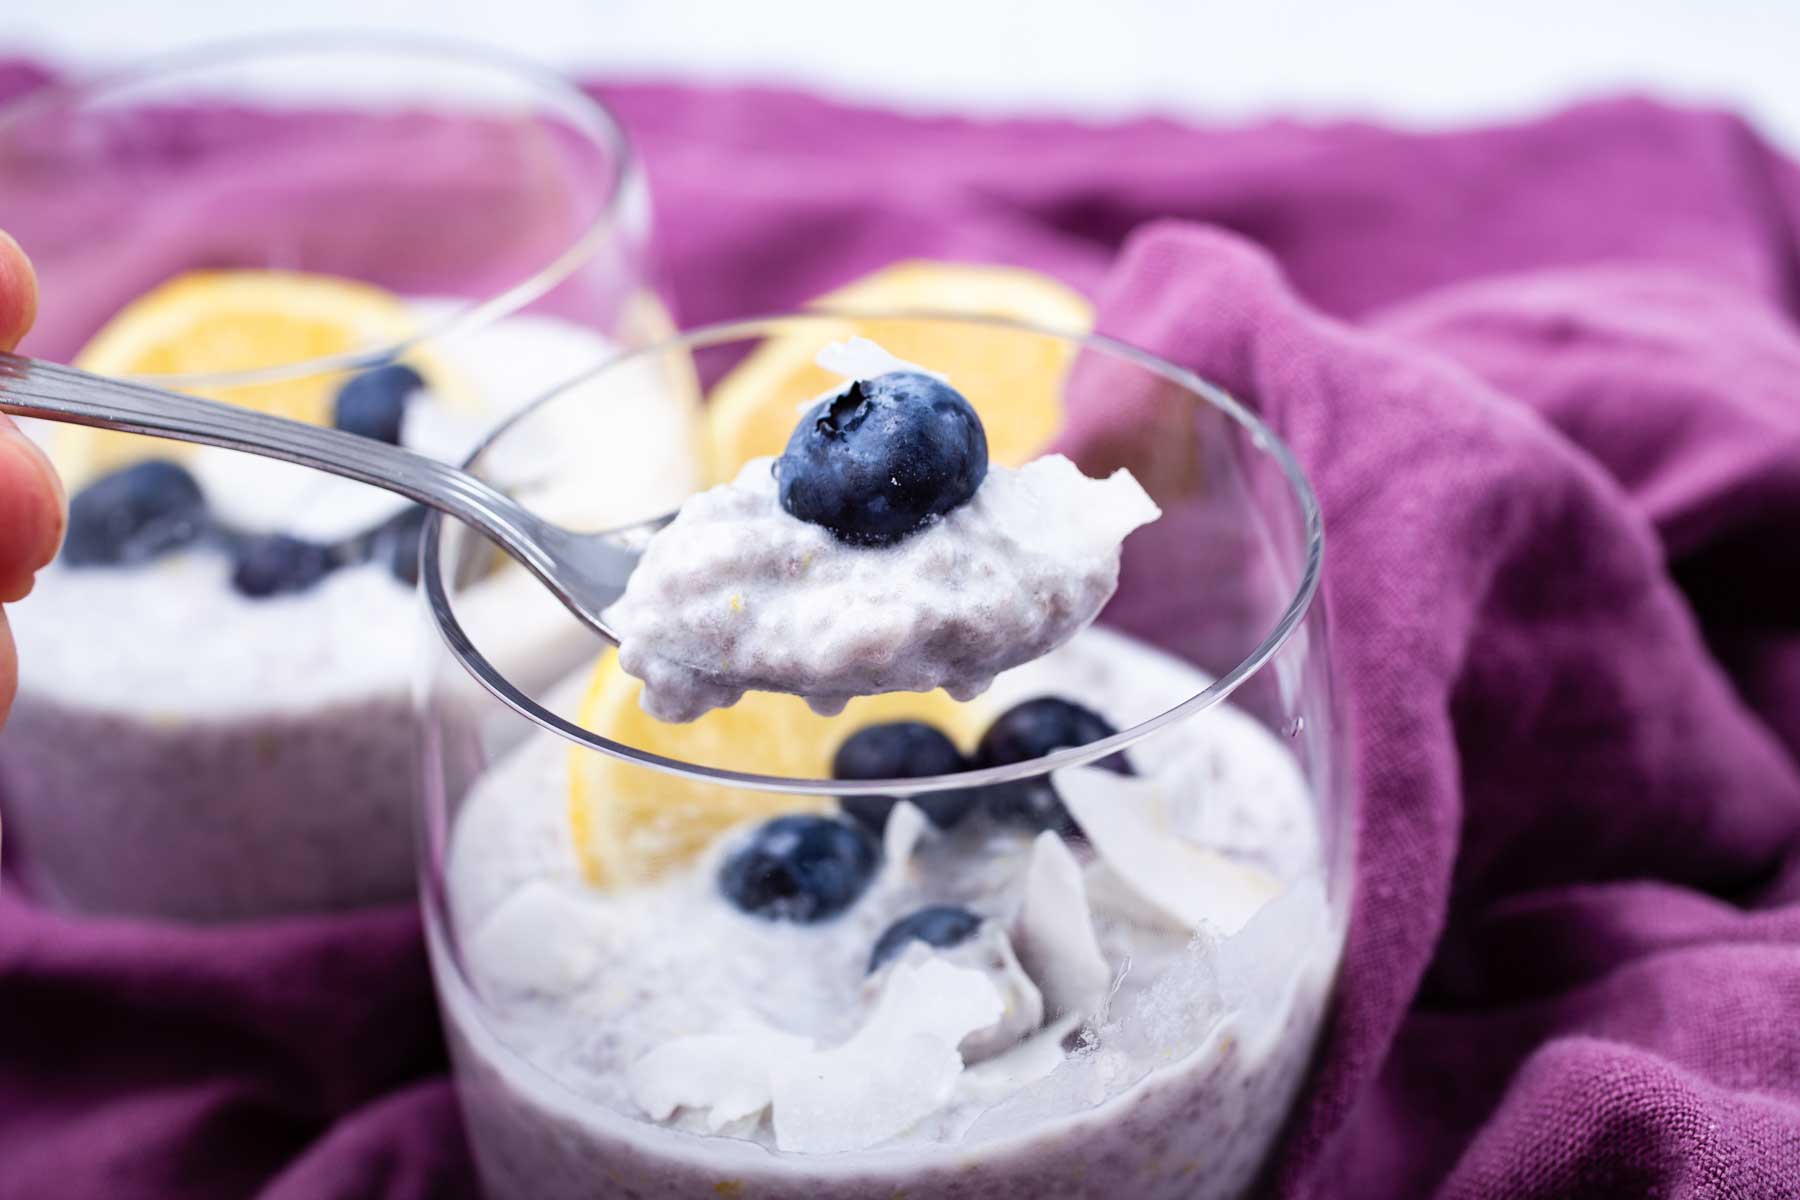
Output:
(456, 639)
(591, 117)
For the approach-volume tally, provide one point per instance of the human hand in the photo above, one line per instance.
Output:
(32, 506)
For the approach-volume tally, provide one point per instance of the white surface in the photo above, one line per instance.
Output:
(1409, 60)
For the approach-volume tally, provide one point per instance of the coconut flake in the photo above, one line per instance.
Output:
(862, 358)
(989, 951)
(1026, 1063)
(725, 1076)
(1127, 821)
(906, 826)
(900, 1067)
(526, 942)
(1257, 965)
(1051, 508)
(1054, 933)
(1111, 895)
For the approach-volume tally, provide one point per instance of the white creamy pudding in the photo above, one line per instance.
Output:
(222, 728)
(879, 554)
(984, 1009)
(767, 602)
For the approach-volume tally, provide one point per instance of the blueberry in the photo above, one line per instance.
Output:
(396, 542)
(373, 402)
(134, 514)
(1031, 730)
(882, 457)
(274, 564)
(801, 868)
(902, 750)
(940, 925)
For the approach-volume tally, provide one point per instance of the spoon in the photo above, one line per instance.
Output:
(586, 571)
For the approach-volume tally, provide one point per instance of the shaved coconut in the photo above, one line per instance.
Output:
(1054, 933)
(1029, 1061)
(723, 1075)
(862, 358)
(1127, 822)
(1110, 894)
(525, 943)
(932, 999)
(1259, 964)
(899, 1068)
(989, 951)
(906, 824)
(1051, 508)
(853, 1098)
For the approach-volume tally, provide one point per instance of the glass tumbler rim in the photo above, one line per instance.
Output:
(461, 647)
(593, 118)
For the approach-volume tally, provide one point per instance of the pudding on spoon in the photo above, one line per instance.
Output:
(879, 553)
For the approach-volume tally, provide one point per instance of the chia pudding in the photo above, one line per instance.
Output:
(880, 553)
(1113, 990)
(214, 715)
(1102, 981)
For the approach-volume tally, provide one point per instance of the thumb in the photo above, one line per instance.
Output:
(31, 499)
(18, 292)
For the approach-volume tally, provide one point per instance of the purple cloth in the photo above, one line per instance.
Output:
(1547, 380)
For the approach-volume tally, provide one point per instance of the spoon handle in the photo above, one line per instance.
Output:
(33, 388)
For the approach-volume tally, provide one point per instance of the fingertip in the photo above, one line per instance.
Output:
(18, 292)
(9, 668)
(31, 496)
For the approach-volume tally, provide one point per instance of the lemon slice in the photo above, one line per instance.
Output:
(215, 322)
(629, 822)
(1013, 379)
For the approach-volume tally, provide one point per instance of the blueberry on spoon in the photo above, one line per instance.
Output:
(1031, 730)
(881, 458)
(902, 750)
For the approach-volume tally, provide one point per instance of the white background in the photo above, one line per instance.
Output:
(1415, 61)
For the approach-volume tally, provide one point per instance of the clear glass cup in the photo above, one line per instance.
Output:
(178, 750)
(570, 846)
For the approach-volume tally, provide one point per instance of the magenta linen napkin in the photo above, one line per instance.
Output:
(1547, 380)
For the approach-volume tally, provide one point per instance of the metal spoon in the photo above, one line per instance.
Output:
(586, 571)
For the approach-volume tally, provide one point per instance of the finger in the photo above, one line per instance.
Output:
(31, 497)
(18, 292)
(32, 513)
(9, 668)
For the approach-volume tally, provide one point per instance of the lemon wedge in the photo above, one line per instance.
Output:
(1014, 379)
(218, 322)
(629, 823)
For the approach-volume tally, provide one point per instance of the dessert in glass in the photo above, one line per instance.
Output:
(1064, 926)
(404, 240)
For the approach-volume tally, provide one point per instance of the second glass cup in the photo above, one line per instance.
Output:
(405, 238)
